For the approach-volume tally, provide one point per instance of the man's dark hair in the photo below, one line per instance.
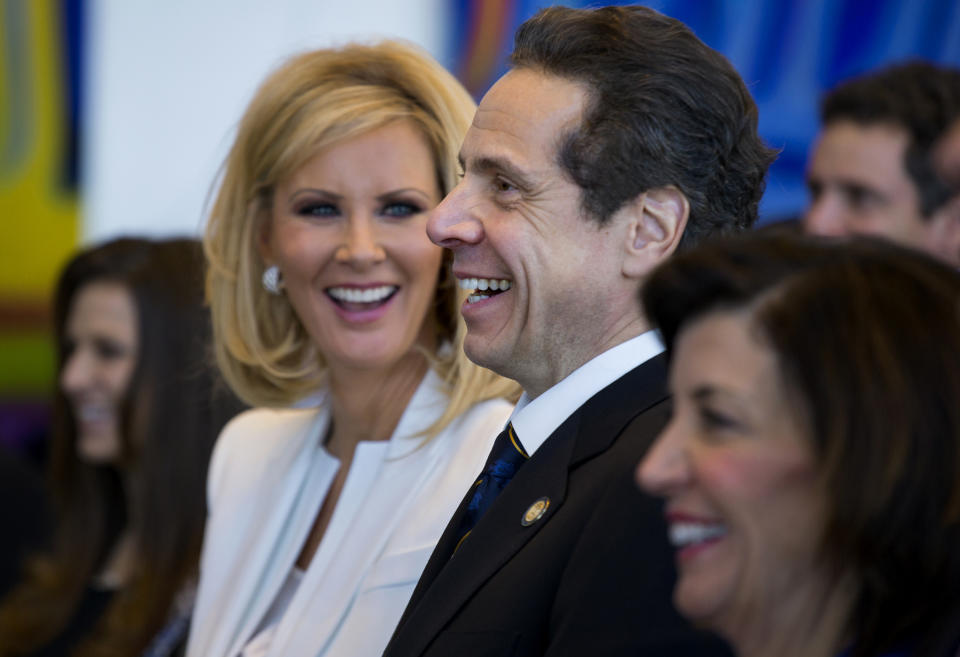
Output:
(664, 109)
(916, 96)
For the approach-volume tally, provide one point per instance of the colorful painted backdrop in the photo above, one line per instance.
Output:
(39, 105)
(789, 51)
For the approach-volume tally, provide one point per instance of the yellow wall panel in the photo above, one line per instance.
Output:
(38, 216)
(38, 208)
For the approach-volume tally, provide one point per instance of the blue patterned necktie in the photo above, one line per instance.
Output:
(505, 459)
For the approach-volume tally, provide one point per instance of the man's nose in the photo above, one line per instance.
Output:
(456, 221)
(825, 217)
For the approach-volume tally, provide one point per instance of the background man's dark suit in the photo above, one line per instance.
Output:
(595, 563)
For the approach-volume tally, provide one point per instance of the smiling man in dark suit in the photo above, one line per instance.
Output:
(616, 138)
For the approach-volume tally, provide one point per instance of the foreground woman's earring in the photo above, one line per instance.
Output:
(272, 280)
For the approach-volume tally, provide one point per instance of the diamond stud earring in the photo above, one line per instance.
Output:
(272, 280)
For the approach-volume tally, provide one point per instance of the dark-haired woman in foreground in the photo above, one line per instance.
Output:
(812, 465)
(135, 417)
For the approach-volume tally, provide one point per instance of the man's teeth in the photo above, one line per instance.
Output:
(356, 295)
(484, 284)
(683, 534)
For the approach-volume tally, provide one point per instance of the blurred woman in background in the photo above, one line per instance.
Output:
(134, 419)
(811, 468)
(324, 286)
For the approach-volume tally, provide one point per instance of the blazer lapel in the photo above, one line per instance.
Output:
(440, 556)
(450, 581)
(400, 482)
(408, 465)
(287, 510)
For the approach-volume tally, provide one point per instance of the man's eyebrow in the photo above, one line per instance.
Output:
(850, 187)
(857, 189)
(497, 165)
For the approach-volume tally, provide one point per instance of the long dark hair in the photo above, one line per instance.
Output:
(172, 413)
(867, 340)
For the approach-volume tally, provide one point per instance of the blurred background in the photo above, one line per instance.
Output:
(116, 114)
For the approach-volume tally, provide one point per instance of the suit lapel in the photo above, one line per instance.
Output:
(496, 538)
(449, 582)
(605, 415)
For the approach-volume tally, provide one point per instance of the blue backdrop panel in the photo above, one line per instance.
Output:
(788, 51)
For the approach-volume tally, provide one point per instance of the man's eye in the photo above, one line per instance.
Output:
(860, 198)
(317, 210)
(401, 209)
(503, 186)
(856, 197)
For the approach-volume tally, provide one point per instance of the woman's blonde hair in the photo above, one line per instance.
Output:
(311, 102)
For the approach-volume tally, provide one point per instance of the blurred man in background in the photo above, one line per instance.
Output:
(881, 164)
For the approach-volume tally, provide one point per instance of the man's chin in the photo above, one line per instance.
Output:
(485, 353)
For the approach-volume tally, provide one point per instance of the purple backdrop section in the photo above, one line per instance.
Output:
(25, 428)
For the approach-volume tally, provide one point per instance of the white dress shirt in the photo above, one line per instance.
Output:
(534, 421)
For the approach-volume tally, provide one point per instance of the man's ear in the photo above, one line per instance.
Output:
(657, 220)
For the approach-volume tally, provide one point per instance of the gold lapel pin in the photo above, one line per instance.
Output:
(535, 511)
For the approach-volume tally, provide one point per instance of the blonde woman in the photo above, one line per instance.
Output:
(327, 295)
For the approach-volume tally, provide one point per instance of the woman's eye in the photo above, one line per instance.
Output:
(711, 419)
(109, 350)
(317, 210)
(401, 209)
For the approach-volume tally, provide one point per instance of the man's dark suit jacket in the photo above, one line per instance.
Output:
(593, 577)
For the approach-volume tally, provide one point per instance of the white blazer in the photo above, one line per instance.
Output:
(264, 492)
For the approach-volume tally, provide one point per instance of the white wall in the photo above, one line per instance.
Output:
(166, 83)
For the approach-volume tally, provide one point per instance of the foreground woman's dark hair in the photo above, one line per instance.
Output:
(867, 341)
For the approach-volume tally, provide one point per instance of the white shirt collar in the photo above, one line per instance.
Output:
(535, 420)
